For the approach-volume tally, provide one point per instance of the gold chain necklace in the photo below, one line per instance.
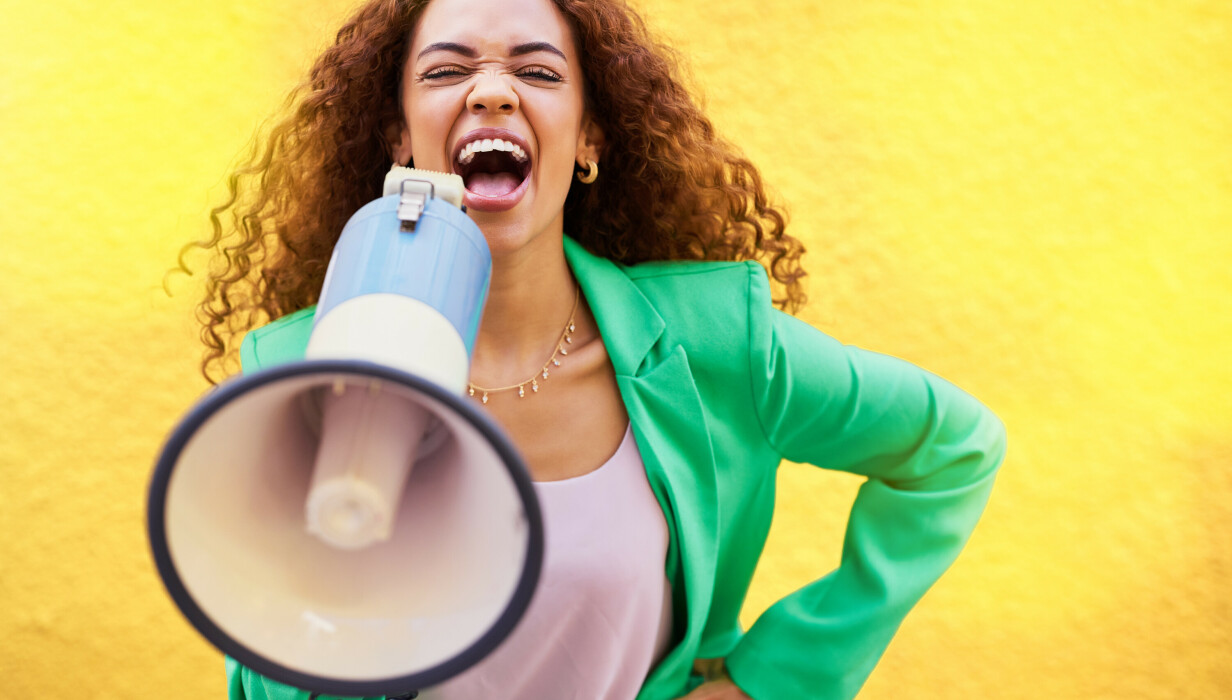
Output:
(566, 338)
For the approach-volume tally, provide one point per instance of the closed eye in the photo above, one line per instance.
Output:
(443, 72)
(539, 73)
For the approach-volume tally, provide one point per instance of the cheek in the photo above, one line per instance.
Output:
(556, 169)
(429, 125)
(558, 131)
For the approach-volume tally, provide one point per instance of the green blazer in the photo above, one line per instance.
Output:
(720, 387)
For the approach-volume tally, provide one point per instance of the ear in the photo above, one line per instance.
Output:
(399, 136)
(590, 141)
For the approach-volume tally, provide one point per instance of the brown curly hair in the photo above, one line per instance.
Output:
(699, 198)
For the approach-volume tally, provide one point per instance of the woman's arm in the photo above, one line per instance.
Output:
(930, 452)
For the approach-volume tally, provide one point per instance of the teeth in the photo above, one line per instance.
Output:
(485, 145)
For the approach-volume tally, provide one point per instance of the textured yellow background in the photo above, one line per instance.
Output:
(1032, 199)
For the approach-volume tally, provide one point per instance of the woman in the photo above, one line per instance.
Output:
(564, 118)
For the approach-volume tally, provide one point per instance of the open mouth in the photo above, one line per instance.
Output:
(492, 168)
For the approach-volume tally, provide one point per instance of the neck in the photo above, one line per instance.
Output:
(529, 302)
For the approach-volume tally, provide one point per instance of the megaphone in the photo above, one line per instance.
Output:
(350, 524)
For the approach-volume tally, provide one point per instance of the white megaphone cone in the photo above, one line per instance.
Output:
(349, 523)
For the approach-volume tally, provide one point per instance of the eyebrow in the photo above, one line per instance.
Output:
(519, 50)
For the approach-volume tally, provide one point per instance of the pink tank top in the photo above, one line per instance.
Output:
(601, 616)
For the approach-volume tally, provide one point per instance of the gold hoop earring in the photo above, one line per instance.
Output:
(592, 172)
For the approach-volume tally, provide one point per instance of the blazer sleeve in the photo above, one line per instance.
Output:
(930, 452)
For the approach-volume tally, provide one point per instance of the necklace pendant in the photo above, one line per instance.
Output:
(565, 338)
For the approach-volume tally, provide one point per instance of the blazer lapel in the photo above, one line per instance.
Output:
(669, 424)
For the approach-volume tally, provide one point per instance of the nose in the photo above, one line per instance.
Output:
(492, 94)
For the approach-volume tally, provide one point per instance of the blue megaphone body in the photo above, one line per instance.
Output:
(409, 270)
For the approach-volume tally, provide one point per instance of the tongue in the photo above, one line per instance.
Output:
(492, 184)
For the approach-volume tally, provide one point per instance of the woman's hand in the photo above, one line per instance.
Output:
(722, 689)
(718, 685)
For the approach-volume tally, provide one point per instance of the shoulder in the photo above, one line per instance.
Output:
(707, 272)
(709, 308)
(705, 288)
(281, 341)
(684, 291)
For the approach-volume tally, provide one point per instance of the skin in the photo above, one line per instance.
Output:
(469, 67)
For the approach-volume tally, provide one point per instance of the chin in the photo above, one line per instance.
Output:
(503, 236)
(511, 235)
(529, 225)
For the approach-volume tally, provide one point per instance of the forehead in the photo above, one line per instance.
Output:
(492, 25)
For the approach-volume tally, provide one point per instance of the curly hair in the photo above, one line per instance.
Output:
(700, 199)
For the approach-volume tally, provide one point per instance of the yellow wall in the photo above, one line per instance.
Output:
(1032, 199)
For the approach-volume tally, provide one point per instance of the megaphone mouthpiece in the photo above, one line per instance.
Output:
(446, 186)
